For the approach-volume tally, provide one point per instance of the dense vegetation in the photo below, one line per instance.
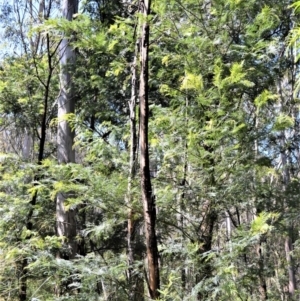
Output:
(149, 150)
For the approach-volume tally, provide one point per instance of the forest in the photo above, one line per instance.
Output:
(149, 150)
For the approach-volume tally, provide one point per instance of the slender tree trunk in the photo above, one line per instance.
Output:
(207, 230)
(182, 222)
(147, 193)
(288, 96)
(42, 141)
(23, 280)
(291, 271)
(136, 283)
(132, 163)
(288, 244)
(207, 234)
(263, 290)
(183, 184)
(262, 286)
(66, 223)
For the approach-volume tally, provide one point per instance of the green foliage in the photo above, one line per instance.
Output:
(223, 147)
(283, 122)
(263, 98)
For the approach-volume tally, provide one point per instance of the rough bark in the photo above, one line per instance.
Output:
(66, 223)
(146, 188)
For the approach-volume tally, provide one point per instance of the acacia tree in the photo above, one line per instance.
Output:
(28, 100)
(223, 136)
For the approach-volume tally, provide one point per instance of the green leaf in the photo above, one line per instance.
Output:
(192, 82)
(263, 98)
(283, 122)
(261, 223)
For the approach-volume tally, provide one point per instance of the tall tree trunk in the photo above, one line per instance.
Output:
(210, 218)
(136, 283)
(288, 244)
(66, 223)
(263, 290)
(132, 163)
(262, 286)
(287, 97)
(181, 222)
(291, 270)
(147, 193)
(183, 184)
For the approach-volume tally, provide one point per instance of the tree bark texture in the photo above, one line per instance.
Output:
(66, 223)
(132, 163)
(288, 245)
(291, 270)
(135, 281)
(146, 188)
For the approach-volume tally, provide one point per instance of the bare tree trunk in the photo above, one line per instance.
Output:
(287, 96)
(27, 145)
(210, 218)
(147, 193)
(262, 286)
(183, 185)
(181, 221)
(263, 290)
(132, 163)
(136, 283)
(291, 271)
(288, 244)
(66, 223)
